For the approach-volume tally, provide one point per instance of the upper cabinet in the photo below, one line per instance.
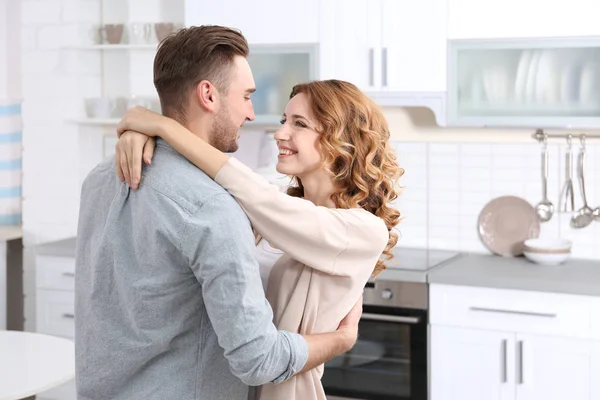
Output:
(385, 45)
(476, 19)
(261, 21)
(544, 83)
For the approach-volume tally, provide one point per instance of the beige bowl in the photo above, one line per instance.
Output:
(548, 246)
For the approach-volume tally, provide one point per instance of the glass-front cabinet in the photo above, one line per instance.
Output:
(546, 83)
(276, 69)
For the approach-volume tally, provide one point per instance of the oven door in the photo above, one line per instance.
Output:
(388, 362)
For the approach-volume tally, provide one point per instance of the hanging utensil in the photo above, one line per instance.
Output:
(567, 195)
(544, 208)
(585, 215)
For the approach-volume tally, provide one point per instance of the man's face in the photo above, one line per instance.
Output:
(235, 107)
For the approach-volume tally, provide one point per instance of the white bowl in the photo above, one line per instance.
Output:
(539, 245)
(547, 258)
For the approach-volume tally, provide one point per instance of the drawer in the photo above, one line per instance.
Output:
(510, 310)
(57, 273)
(55, 313)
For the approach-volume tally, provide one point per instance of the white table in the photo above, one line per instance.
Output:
(31, 363)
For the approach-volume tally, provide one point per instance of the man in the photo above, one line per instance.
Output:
(169, 300)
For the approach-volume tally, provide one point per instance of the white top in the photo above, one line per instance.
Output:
(266, 256)
(31, 363)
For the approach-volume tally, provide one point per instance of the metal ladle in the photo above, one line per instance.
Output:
(544, 208)
(567, 195)
(585, 215)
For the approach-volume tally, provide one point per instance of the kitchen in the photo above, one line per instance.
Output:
(431, 65)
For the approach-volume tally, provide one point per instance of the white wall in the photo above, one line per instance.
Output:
(10, 62)
(54, 82)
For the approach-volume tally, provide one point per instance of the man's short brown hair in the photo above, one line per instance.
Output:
(190, 56)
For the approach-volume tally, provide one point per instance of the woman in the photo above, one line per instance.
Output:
(319, 243)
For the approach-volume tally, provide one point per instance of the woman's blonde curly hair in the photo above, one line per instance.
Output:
(354, 140)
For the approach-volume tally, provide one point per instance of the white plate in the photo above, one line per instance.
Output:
(521, 79)
(531, 76)
(505, 223)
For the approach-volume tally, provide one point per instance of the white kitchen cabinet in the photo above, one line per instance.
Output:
(55, 300)
(349, 42)
(474, 364)
(512, 344)
(470, 364)
(553, 368)
(261, 21)
(387, 45)
(413, 44)
(535, 83)
(476, 19)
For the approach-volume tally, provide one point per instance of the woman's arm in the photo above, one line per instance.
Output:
(148, 123)
(335, 241)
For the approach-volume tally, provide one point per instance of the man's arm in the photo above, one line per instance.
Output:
(325, 346)
(219, 245)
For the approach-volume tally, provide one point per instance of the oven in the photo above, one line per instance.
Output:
(389, 360)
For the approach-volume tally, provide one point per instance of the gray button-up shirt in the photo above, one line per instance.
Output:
(169, 301)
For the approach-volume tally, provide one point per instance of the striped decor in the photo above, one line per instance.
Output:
(10, 162)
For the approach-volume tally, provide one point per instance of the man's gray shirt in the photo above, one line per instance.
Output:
(169, 301)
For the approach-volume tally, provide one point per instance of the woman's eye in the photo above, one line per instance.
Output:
(282, 121)
(300, 124)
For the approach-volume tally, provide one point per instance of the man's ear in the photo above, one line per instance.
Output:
(207, 96)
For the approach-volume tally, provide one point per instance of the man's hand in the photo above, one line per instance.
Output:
(323, 347)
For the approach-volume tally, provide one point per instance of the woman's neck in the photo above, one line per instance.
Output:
(318, 189)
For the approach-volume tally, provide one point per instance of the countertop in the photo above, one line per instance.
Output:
(10, 233)
(575, 276)
(61, 248)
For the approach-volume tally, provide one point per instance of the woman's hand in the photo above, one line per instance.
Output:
(142, 120)
(129, 151)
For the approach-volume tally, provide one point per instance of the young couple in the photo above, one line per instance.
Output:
(170, 303)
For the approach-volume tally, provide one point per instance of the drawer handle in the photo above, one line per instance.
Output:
(69, 315)
(69, 274)
(499, 310)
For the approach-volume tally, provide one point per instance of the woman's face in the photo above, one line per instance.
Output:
(298, 140)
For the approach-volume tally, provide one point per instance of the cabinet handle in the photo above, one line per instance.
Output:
(499, 310)
(504, 361)
(384, 56)
(69, 315)
(371, 67)
(69, 274)
(520, 375)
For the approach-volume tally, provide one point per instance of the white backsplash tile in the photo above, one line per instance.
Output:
(447, 185)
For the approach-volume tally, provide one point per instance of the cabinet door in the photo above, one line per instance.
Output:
(475, 19)
(414, 45)
(469, 364)
(261, 21)
(553, 368)
(351, 41)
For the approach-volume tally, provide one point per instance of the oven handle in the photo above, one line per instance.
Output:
(391, 318)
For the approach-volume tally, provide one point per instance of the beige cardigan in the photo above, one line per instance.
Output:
(329, 254)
